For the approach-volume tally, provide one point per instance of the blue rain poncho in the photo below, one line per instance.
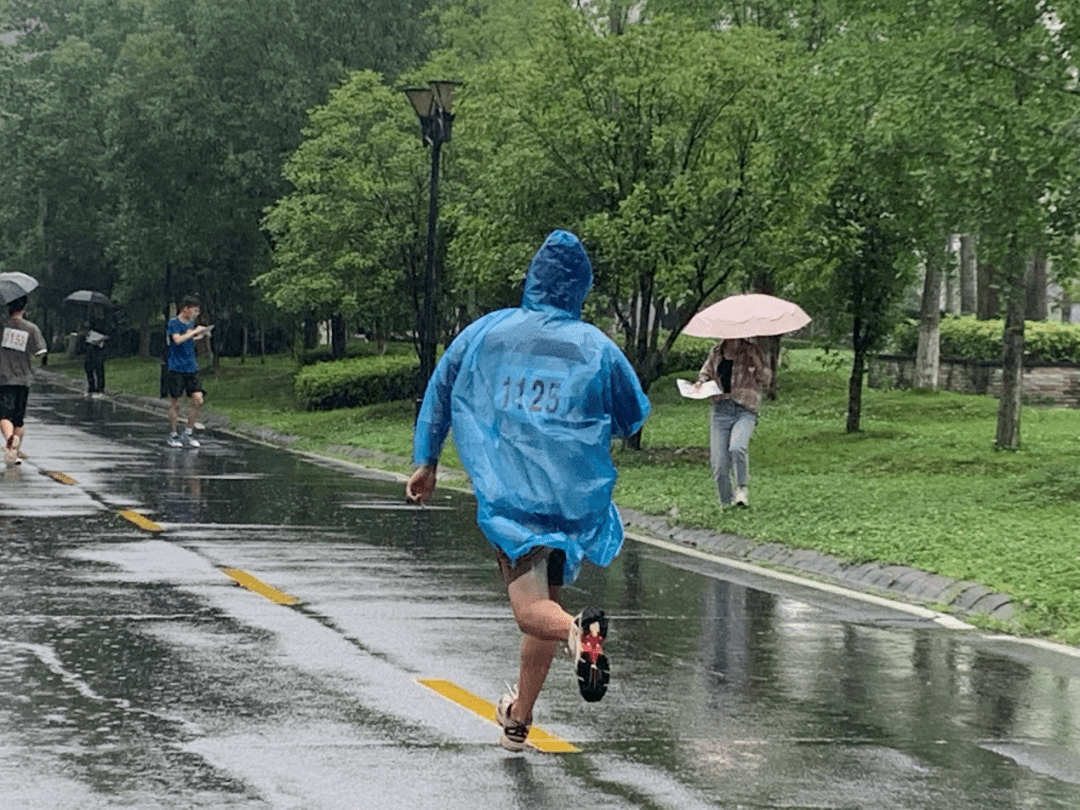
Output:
(535, 396)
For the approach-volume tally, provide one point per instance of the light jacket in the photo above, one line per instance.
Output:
(535, 396)
(750, 373)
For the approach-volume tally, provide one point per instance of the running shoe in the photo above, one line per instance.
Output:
(11, 450)
(188, 439)
(174, 440)
(586, 644)
(514, 733)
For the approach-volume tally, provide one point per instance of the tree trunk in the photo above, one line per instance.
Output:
(855, 382)
(338, 336)
(855, 388)
(1035, 288)
(987, 306)
(1012, 361)
(769, 344)
(929, 351)
(311, 331)
(968, 287)
(144, 340)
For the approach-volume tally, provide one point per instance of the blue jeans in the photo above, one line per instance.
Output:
(729, 446)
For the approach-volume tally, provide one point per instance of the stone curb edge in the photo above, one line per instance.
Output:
(896, 581)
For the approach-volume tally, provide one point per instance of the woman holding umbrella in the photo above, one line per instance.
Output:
(742, 373)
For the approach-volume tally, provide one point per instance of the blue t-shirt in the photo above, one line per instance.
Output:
(181, 356)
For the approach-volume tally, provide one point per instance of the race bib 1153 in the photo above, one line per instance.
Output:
(15, 339)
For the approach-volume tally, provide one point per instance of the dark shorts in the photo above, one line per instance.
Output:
(556, 558)
(13, 403)
(178, 383)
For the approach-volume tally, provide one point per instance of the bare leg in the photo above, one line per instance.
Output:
(194, 409)
(174, 414)
(545, 624)
(7, 429)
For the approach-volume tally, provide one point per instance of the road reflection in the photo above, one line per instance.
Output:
(134, 673)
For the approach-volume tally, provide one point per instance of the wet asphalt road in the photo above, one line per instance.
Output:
(135, 673)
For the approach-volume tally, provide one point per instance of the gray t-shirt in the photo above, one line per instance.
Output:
(19, 341)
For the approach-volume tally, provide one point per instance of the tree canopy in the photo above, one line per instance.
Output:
(156, 146)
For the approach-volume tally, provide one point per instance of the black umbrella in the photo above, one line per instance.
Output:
(89, 297)
(15, 285)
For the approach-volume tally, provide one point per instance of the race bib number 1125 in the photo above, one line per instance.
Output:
(535, 393)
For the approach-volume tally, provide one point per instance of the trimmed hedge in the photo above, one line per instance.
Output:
(361, 381)
(354, 348)
(967, 338)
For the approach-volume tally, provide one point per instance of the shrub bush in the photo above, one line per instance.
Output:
(359, 381)
(687, 354)
(353, 348)
(967, 338)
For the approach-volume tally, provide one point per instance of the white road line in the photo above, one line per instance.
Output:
(943, 619)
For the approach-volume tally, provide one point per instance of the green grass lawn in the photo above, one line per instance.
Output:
(921, 485)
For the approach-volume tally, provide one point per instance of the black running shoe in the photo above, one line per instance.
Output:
(586, 645)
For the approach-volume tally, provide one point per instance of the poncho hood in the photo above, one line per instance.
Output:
(559, 275)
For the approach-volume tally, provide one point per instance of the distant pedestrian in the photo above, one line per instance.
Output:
(21, 341)
(182, 372)
(534, 396)
(94, 362)
(742, 372)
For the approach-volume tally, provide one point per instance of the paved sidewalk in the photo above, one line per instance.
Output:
(963, 598)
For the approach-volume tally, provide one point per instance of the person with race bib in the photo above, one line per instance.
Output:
(21, 340)
(534, 397)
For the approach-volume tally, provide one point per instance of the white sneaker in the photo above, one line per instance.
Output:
(742, 496)
(11, 451)
(188, 438)
(514, 733)
(174, 440)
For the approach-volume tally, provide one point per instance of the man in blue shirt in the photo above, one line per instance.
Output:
(182, 372)
(534, 396)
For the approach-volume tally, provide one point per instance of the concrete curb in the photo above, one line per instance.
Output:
(893, 581)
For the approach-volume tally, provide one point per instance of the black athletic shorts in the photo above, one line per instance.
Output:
(556, 558)
(178, 383)
(13, 403)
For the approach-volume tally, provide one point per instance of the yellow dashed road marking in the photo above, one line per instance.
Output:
(252, 584)
(538, 738)
(60, 477)
(141, 522)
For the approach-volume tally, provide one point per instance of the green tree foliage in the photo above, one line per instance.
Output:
(356, 218)
(168, 122)
(649, 144)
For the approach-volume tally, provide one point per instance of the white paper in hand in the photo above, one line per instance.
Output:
(707, 389)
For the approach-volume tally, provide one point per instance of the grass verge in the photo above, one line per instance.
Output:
(921, 485)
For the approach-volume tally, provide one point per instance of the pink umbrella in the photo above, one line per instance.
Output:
(743, 316)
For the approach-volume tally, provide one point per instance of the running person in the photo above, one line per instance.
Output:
(534, 397)
(21, 340)
(182, 373)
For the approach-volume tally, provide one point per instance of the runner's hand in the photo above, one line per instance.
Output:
(421, 484)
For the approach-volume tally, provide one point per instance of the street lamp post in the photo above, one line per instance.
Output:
(432, 105)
